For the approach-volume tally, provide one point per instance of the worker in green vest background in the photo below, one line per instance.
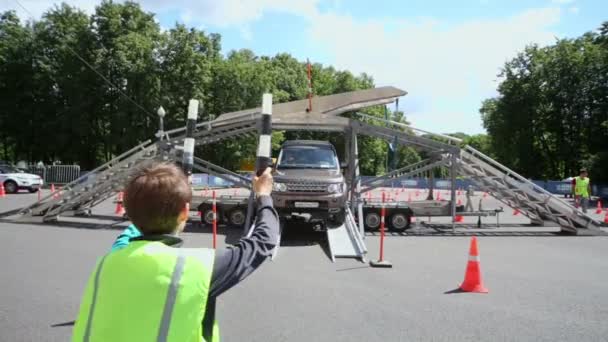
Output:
(581, 188)
(152, 290)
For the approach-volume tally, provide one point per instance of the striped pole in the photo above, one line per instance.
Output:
(381, 262)
(309, 72)
(264, 159)
(214, 209)
(188, 157)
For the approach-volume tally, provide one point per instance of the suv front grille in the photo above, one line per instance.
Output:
(306, 187)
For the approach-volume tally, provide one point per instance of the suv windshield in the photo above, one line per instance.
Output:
(307, 157)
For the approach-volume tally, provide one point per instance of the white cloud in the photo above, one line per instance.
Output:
(218, 13)
(202, 13)
(35, 8)
(574, 9)
(441, 64)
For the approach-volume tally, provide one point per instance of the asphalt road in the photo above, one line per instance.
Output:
(543, 287)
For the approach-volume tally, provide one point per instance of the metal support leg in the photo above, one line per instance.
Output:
(348, 160)
(356, 195)
(352, 167)
(453, 195)
(431, 185)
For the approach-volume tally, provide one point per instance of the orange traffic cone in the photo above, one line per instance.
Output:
(120, 210)
(459, 218)
(409, 197)
(2, 192)
(55, 195)
(485, 194)
(516, 212)
(599, 207)
(472, 278)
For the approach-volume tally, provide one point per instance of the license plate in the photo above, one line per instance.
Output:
(306, 204)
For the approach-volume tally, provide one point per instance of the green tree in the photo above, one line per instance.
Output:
(548, 119)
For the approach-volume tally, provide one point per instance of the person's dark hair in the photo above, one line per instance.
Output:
(154, 197)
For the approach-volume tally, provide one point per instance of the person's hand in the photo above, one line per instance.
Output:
(263, 185)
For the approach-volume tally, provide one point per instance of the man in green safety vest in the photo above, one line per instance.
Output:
(581, 188)
(152, 290)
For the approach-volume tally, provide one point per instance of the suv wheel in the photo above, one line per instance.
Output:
(339, 218)
(11, 187)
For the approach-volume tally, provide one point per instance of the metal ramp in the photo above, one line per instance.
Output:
(78, 197)
(95, 187)
(518, 192)
(345, 241)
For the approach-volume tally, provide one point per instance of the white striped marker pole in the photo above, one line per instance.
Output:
(188, 156)
(264, 159)
(309, 74)
(214, 209)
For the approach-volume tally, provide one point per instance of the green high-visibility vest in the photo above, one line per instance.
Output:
(147, 291)
(581, 188)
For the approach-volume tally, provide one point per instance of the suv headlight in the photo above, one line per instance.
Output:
(335, 188)
(280, 187)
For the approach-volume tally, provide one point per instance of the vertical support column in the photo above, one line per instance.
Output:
(352, 161)
(453, 195)
(356, 194)
(347, 159)
(431, 185)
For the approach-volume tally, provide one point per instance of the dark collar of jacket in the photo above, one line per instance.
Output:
(169, 240)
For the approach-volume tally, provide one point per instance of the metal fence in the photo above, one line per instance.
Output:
(56, 174)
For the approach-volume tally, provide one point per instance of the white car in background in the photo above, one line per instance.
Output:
(14, 180)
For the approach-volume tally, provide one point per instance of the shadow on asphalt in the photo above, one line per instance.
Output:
(454, 291)
(353, 268)
(70, 224)
(64, 324)
(303, 234)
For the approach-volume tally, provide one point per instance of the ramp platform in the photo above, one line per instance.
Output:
(345, 241)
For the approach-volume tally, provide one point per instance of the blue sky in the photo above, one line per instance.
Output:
(446, 54)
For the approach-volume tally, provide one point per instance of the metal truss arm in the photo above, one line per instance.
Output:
(218, 171)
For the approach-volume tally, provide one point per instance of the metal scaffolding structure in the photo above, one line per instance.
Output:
(508, 187)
